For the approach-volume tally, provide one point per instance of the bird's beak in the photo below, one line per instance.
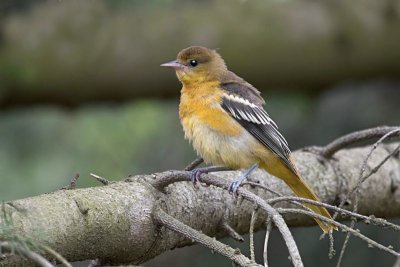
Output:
(173, 64)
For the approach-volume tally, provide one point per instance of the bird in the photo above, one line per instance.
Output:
(223, 116)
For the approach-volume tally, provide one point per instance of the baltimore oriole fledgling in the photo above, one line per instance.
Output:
(223, 116)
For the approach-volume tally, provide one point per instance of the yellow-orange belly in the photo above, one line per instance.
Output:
(234, 148)
(215, 135)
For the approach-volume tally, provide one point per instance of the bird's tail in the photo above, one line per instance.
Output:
(301, 189)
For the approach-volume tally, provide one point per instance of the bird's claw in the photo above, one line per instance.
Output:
(234, 186)
(196, 173)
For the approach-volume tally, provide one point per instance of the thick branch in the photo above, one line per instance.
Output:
(115, 222)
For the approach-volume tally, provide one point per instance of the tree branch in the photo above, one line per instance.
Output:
(115, 223)
(357, 138)
(163, 218)
(267, 233)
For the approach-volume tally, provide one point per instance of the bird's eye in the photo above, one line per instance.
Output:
(193, 63)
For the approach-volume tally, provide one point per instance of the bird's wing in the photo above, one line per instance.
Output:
(242, 102)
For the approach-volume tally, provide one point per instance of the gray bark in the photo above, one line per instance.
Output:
(115, 223)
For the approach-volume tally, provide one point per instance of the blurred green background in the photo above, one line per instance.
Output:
(81, 90)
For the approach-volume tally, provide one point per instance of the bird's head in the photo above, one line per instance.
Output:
(197, 64)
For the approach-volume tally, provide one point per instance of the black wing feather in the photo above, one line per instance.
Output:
(258, 123)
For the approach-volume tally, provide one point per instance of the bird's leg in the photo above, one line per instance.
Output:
(196, 173)
(233, 187)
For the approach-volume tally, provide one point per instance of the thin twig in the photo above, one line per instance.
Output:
(332, 251)
(367, 219)
(164, 179)
(278, 221)
(344, 246)
(102, 180)
(280, 196)
(343, 212)
(373, 170)
(377, 167)
(397, 263)
(267, 233)
(72, 183)
(177, 226)
(266, 188)
(54, 253)
(230, 231)
(341, 226)
(354, 138)
(356, 189)
(40, 260)
(362, 179)
(251, 234)
(194, 164)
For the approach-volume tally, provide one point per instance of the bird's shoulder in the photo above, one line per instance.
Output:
(234, 85)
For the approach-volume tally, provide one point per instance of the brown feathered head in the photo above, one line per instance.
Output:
(197, 64)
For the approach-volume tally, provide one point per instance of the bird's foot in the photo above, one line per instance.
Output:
(234, 186)
(196, 173)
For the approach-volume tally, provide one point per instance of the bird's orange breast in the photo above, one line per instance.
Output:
(215, 135)
(201, 104)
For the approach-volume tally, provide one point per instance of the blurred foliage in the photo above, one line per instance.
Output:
(43, 148)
